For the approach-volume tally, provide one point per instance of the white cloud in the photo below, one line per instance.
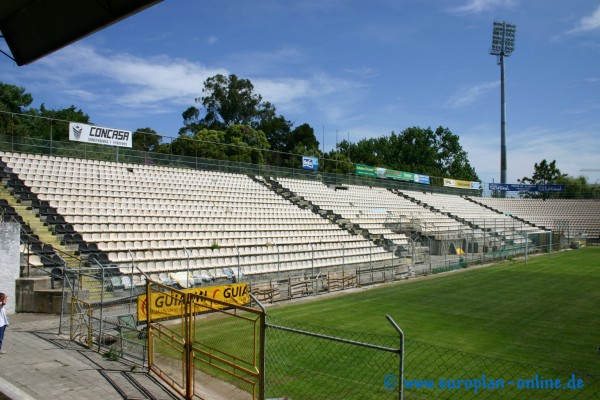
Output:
(362, 72)
(125, 79)
(588, 23)
(527, 147)
(283, 93)
(478, 6)
(470, 95)
(121, 84)
(212, 40)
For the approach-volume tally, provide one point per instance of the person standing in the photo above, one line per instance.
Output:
(3, 320)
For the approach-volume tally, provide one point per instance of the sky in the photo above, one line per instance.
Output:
(352, 70)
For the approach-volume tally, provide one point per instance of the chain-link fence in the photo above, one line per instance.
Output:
(99, 311)
(434, 372)
(301, 361)
(310, 362)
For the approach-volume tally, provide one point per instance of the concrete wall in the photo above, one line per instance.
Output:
(10, 260)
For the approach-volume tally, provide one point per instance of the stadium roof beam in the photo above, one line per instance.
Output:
(503, 45)
(33, 29)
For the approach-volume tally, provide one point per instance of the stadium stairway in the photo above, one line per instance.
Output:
(434, 209)
(352, 228)
(43, 251)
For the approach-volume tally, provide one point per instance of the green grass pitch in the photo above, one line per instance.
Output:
(524, 319)
(545, 312)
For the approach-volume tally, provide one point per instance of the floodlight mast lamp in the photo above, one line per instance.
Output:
(503, 45)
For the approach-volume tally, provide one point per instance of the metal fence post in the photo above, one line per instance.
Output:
(262, 347)
(278, 259)
(131, 283)
(526, 246)
(401, 361)
(187, 256)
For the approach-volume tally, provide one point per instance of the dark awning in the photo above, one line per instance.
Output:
(35, 28)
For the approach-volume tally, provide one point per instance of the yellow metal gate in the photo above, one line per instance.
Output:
(205, 342)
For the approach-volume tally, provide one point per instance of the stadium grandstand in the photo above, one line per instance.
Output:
(575, 217)
(188, 227)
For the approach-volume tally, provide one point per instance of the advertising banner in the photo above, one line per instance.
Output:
(381, 172)
(366, 170)
(310, 163)
(401, 175)
(460, 184)
(510, 187)
(169, 304)
(424, 179)
(384, 173)
(95, 134)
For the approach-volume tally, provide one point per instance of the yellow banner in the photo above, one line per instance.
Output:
(169, 304)
(458, 183)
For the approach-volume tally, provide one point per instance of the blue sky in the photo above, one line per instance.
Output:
(361, 68)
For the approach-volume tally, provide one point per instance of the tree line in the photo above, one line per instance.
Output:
(232, 122)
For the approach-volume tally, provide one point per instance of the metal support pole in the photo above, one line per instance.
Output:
(132, 268)
(502, 124)
(312, 260)
(526, 246)
(343, 256)
(401, 363)
(261, 347)
(238, 262)
(187, 254)
(100, 339)
(64, 288)
(278, 259)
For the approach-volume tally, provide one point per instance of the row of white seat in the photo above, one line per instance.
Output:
(140, 185)
(206, 224)
(292, 254)
(243, 246)
(163, 193)
(249, 236)
(212, 230)
(77, 163)
(370, 210)
(148, 216)
(215, 267)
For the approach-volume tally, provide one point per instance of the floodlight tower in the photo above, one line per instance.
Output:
(503, 44)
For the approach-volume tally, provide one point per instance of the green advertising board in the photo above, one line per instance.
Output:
(366, 170)
(400, 175)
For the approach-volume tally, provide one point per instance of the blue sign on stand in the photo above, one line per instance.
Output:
(310, 163)
(509, 187)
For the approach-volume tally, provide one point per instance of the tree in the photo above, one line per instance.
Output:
(337, 163)
(13, 98)
(211, 144)
(543, 173)
(53, 124)
(229, 100)
(452, 159)
(192, 122)
(248, 144)
(276, 129)
(145, 139)
(578, 188)
(416, 150)
(303, 135)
